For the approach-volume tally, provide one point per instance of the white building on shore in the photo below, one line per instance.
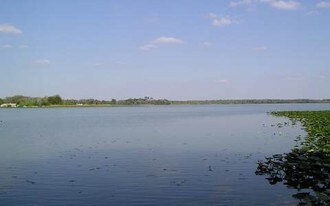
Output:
(8, 105)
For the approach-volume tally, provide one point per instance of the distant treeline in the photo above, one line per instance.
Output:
(20, 100)
(252, 101)
(25, 101)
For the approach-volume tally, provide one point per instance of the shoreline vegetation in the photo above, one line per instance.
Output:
(306, 167)
(317, 126)
(58, 101)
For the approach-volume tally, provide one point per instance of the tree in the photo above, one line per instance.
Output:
(55, 100)
(1, 101)
(16, 99)
(113, 101)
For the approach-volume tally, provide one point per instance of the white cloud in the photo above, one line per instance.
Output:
(99, 64)
(42, 62)
(148, 47)
(24, 46)
(260, 48)
(323, 77)
(112, 62)
(323, 5)
(279, 4)
(167, 40)
(121, 62)
(294, 77)
(207, 44)
(222, 81)
(10, 29)
(220, 20)
(6, 46)
(158, 41)
(240, 2)
(312, 13)
(212, 15)
(9, 46)
(285, 5)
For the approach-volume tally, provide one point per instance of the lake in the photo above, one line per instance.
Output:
(148, 155)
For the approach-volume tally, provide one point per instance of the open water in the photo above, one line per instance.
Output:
(148, 155)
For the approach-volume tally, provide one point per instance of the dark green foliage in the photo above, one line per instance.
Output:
(1, 101)
(16, 99)
(70, 102)
(316, 124)
(308, 167)
(22, 101)
(55, 100)
(302, 171)
(252, 101)
(146, 100)
(26, 101)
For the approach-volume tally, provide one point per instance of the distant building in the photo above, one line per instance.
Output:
(8, 105)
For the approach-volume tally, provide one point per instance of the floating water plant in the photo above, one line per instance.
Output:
(306, 168)
(316, 124)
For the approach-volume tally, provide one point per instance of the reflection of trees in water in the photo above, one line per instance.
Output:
(307, 172)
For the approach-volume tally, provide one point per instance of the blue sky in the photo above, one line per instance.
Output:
(183, 49)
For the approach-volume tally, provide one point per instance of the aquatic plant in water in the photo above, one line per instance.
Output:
(307, 168)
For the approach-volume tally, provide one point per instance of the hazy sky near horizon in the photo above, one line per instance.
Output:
(183, 49)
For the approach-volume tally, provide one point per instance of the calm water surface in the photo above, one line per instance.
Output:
(157, 155)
